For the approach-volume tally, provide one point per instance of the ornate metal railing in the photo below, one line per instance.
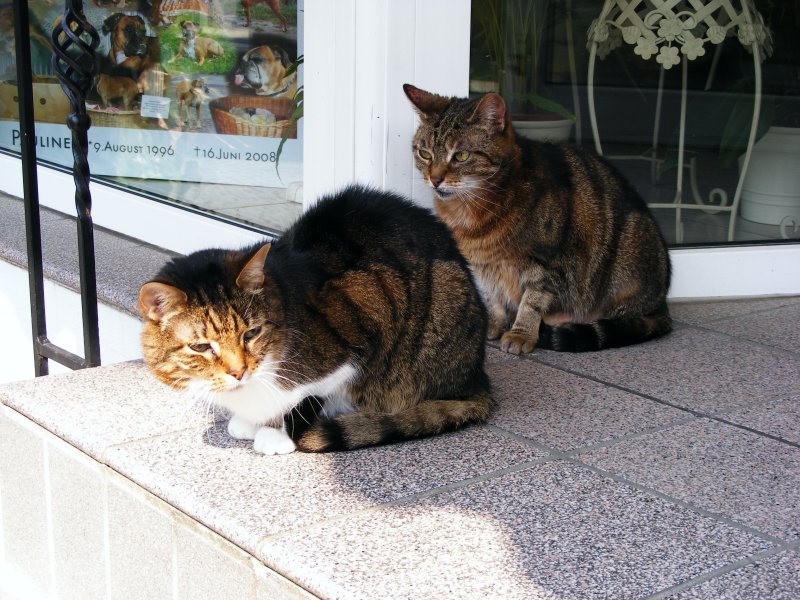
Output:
(75, 63)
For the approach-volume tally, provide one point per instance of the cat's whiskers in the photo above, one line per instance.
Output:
(188, 397)
(476, 201)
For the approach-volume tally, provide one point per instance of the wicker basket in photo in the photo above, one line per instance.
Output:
(225, 122)
(50, 104)
(124, 119)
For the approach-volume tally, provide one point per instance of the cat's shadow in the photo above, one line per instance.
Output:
(430, 478)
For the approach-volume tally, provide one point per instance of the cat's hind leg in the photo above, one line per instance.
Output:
(270, 441)
(266, 440)
(366, 428)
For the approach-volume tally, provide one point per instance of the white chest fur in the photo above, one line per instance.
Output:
(261, 401)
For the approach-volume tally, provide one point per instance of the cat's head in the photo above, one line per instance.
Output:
(211, 321)
(461, 144)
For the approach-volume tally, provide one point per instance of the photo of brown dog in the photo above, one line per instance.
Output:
(194, 47)
(264, 69)
(275, 5)
(111, 87)
(190, 94)
(131, 51)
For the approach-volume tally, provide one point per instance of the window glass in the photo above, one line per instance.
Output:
(537, 54)
(196, 102)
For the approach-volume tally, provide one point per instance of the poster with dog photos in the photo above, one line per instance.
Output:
(189, 90)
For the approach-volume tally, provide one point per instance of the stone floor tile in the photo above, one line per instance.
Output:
(495, 355)
(553, 531)
(776, 577)
(77, 506)
(691, 368)
(23, 497)
(208, 567)
(706, 312)
(245, 496)
(717, 467)
(140, 543)
(566, 412)
(780, 418)
(779, 327)
(95, 408)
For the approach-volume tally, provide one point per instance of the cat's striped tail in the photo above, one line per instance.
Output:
(604, 333)
(361, 428)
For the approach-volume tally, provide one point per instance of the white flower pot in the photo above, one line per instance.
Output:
(545, 130)
(771, 188)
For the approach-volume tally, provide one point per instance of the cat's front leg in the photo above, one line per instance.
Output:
(270, 441)
(524, 333)
(240, 429)
(498, 319)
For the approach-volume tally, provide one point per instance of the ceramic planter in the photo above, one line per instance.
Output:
(771, 188)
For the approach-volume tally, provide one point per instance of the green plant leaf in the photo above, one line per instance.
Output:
(546, 104)
(296, 115)
(733, 142)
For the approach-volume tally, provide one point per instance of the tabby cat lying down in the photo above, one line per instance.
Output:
(361, 325)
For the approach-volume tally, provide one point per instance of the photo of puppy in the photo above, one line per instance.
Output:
(190, 94)
(264, 70)
(275, 5)
(111, 87)
(194, 47)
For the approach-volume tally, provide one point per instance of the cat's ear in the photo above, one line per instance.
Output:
(159, 300)
(424, 102)
(491, 112)
(251, 279)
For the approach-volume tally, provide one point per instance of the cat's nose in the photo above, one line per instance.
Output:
(436, 180)
(237, 373)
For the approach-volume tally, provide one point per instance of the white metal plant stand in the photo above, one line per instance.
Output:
(675, 32)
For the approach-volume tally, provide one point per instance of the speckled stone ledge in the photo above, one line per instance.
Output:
(122, 263)
(644, 471)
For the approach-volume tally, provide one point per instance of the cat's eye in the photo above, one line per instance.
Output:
(424, 154)
(200, 348)
(251, 334)
(461, 156)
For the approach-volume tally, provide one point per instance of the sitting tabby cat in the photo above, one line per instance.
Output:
(566, 251)
(363, 311)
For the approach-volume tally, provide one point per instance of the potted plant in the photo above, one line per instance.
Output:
(771, 187)
(297, 111)
(507, 41)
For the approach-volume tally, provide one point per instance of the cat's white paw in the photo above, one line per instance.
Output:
(240, 429)
(271, 441)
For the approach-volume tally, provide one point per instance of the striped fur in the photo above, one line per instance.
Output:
(567, 253)
(364, 284)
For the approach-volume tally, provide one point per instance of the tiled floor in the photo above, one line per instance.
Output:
(665, 470)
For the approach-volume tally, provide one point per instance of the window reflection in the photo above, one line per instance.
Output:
(194, 102)
(536, 55)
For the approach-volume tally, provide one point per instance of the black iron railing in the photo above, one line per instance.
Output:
(75, 63)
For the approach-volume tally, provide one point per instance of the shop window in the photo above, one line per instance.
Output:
(537, 55)
(195, 103)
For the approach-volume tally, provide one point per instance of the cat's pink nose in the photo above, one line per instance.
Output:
(238, 374)
(436, 180)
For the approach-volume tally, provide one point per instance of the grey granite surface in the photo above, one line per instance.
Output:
(122, 264)
(693, 368)
(668, 469)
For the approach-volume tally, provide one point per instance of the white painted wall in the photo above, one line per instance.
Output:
(119, 332)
